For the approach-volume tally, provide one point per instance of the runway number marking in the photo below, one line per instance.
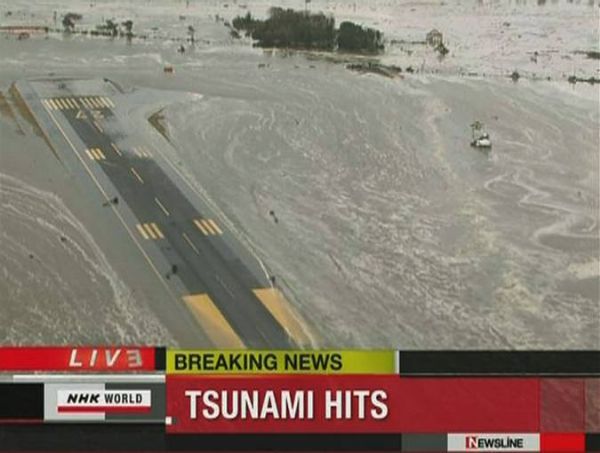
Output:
(208, 227)
(95, 154)
(150, 231)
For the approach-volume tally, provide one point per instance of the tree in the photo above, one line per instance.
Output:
(354, 38)
(68, 23)
(128, 24)
(112, 27)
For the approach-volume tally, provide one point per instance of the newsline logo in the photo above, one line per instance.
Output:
(103, 401)
(494, 442)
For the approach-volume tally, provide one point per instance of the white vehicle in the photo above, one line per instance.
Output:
(481, 141)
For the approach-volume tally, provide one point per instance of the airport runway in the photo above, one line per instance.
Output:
(188, 247)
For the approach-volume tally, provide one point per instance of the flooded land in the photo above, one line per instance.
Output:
(359, 191)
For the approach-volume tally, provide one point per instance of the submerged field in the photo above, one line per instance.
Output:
(391, 230)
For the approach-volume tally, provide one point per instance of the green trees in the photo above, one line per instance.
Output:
(289, 28)
(354, 38)
(304, 30)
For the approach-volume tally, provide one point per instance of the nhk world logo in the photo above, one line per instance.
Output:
(493, 442)
(105, 401)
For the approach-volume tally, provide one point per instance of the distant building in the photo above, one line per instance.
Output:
(434, 38)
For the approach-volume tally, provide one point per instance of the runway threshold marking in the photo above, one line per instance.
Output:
(208, 227)
(212, 322)
(150, 231)
(137, 175)
(275, 302)
(117, 150)
(161, 206)
(190, 243)
(109, 101)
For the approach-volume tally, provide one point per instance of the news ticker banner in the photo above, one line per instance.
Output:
(405, 414)
(240, 362)
(531, 402)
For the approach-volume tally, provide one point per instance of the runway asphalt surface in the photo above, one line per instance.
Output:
(189, 249)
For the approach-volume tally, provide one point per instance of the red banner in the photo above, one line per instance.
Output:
(65, 358)
(351, 403)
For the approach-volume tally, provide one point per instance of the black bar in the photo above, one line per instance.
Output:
(152, 438)
(21, 401)
(592, 442)
(475, 363)
(160, 358)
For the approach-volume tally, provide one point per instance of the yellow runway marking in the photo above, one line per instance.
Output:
(212, 321)
(75, 103)
(150, 231)
(136, 174)
(97, 103)
(95, 154)
(61, 104)
(157, 230)
(53, 104)
(142, 231)
(47, 104)
(215, 226)
(191, 244)
(201, 228)
(161, 206)
(101, 102)
(70, 103)
(116, 149)
(283, 312)
(208, 227)
(106, 102)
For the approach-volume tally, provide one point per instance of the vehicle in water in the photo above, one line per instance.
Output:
(480, 139)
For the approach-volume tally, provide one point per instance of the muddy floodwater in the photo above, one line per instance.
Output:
(392, 231)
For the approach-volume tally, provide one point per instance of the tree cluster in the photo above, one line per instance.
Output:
(303, 30)
(354, 38)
